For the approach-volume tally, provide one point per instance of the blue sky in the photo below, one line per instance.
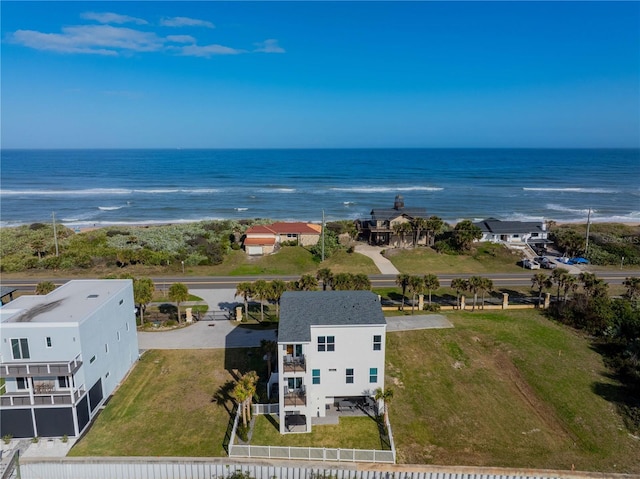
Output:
(320, 74)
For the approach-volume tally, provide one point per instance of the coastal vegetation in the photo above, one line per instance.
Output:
(503, 388)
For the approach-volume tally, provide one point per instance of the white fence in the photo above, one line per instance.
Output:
(200, 468)
(306, 453)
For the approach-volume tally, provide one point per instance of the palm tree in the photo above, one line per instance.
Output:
(541, 281)
(241, 394)
(570, 284)
(179, 293)
(419, 225)
(431, 282)
(559, 277)
(402, 280)
(485, 287)
(307, 282)
(343, 282)
(277, 287)
(245, 289)
(593, 286)
(415, 287)
(632, 284)
(459, 284)
(39, 246)
(361, 282)
(385, 396)
(474, 284)
(326, 276)
(401, 229)
(143, 289)
(261, 292)
(434, 226)
(251, 383)
(45, 287)
(269, 348)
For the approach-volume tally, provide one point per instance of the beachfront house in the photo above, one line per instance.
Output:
(382, 228)
(331, 351)
(63, 354)
(265, 239)
(513, 232)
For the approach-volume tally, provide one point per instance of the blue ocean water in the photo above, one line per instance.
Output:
(101, 187)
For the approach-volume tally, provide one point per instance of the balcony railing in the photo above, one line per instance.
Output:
(294, 364)
(23, 398)
(295, 398)
(40, 369)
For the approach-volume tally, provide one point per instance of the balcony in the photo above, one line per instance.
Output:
(295, 398)
(294, 364)
(23, 398)
(30, 369)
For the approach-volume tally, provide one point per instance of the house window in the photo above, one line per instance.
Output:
(93, 358)
(326, 343)
(118, 335)
(349, 376)
(315, 376)
(106, 348)
(127, 325)
(63, 381)
(373, 375)
(377, 342)
(48, 341)
(20, 348)
(22, 383)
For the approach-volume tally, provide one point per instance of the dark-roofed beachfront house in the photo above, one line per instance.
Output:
(513, 232)
(63, 354)
(382, 228)
(331, 351)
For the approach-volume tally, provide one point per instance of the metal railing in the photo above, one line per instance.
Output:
(41, 399)
(295, 399)
(294, 365)
(53, 368)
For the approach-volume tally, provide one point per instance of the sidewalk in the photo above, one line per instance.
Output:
(374, 252)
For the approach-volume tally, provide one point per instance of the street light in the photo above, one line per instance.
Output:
(182, 266)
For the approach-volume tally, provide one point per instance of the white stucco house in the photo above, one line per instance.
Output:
(63, 354)
(331, 347)
(513, 232)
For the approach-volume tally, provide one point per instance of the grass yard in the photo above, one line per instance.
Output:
(486, 258)
(172, 404)
(504, 389)
(351, 433)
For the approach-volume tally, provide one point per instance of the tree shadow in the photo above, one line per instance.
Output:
(169, 309)
(223, 396)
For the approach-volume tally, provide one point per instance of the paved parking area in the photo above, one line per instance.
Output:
(422, 321)
(208, 334)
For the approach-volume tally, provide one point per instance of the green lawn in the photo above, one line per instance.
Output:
(351, 433)
(486, 258)
(503, 388)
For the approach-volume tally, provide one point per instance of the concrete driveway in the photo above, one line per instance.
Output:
(383, 264)
(209, 334)
(422, 321)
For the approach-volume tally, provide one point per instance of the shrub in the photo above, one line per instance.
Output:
(243, 432)
(7, 438)
(432, 307)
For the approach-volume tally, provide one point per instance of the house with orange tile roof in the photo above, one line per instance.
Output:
(265, 239)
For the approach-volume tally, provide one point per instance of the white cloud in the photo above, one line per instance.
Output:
(185, 22)
(91, 39)
(181, 39)
(269, 46)
(209, 50)
(108, 17)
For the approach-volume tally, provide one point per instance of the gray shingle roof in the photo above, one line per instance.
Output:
(299, 310)
(494, 226)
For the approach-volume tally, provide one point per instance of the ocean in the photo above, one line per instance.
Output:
(104, 187)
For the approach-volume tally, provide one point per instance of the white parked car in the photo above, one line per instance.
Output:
(527, 263)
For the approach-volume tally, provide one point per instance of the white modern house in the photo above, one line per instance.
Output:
(63, 354)
(331, 349)
(513, 232)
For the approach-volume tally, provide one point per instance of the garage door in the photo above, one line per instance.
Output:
(255, 250)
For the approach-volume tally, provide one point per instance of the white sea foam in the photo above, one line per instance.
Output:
(277, 190)
(90, 191)
(241, 209)
(348, 203)
(110, 208)
(575, 190)
(386, 189)
(565, 209)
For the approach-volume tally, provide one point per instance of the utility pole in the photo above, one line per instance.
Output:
(322, 235)
(586, 246)
(55, 235)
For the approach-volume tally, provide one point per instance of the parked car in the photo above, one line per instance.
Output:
(530, 264)
(579, 260)
(545, 262)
